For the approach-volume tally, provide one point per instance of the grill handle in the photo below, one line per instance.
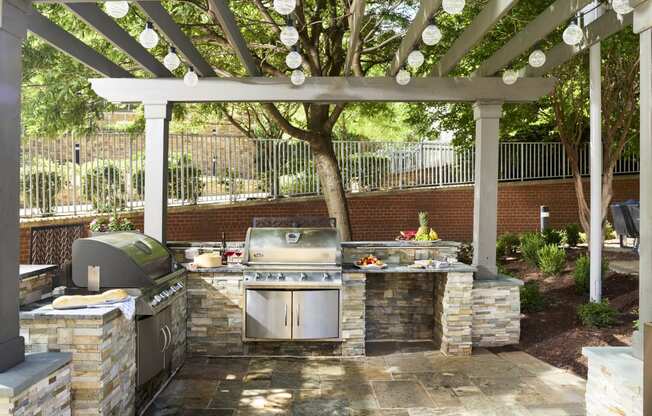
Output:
(165, 339)
(298, 314)
(286, 314)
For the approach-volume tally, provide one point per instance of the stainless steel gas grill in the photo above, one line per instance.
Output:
(146, 269)
(293, 281)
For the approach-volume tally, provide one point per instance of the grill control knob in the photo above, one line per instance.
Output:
(153, 303)
(180, 285)
(326, 276)
(257, 276)
(157, 299)
(303, 276)
(164, 294)
(280, 276)
(173, 289)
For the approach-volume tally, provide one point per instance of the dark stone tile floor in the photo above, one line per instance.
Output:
(395, 379)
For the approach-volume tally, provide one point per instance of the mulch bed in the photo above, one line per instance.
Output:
(556, 335)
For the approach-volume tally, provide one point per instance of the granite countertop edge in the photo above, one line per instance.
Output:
(34, 270)
(105, 313)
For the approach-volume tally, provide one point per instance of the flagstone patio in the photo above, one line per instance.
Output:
(411, 379)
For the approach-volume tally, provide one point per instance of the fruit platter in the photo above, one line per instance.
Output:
(370, 262)
(424, 233)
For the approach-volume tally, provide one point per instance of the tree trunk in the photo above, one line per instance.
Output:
(330, 179)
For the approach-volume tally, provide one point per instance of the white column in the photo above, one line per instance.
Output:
(157, 120)
(485, 202)
(596, 172)
(12, 32)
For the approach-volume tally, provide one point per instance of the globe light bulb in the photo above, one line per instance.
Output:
(298, 77)
(537, 59)
(116, 9)
(289, 36)
(191, 79)
(510, 77)
(621, 7)
(148, 37)
(293, 60)
(285, 7)
(453, 6)
(403, 77)
(171, 61)
(573, 35)
(431, 35)
(415, 59)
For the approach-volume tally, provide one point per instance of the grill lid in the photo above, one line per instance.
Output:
(294, 247)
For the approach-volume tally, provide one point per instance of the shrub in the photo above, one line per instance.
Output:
(185, 179)
(41, 189)
(530, 243)
(598, 315)
(103, 185)
(507, 245)
(114, 223)
(531, 298)
(552, 259)
(572, 234)
(609, 232)
(552, 237)
(582, 273)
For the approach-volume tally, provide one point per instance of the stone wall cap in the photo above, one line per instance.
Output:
(500, 280)
(105, 313)
(30, 270)
(34, 369)
(400, 244)
(619, 360)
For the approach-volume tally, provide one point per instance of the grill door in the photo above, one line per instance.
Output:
(269, 314)
(316, 314)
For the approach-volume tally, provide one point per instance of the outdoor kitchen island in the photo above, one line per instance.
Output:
(447, 305)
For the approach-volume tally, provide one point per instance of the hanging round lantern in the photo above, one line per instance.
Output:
(285, 7)
(191, 79)
(510, 77)
(116, 9)
(298, 77)
(573, 34)
(403, 77)
(415, 59)
(289, 36)
(148, 37)
(171, 61)
(621, 7)
(431, 35)
(453, 6)
(293, 60)
(537, 59)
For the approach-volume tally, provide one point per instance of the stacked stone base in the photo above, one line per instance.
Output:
(496, 312)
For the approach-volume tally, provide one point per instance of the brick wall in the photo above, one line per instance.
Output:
(380, 216)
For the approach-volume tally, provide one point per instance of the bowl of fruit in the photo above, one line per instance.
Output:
(370, 262)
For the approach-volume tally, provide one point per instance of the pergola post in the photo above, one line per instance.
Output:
(595, 58)
(157, 122)
(13, 29)
(485, 203)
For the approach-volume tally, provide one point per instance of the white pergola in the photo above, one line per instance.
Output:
(484, 89)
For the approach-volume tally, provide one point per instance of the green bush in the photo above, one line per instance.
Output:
(185, 179)
(572, 235)
(582, 273)
(552, 259)
(530, 243)
(40, 189)
(598, 315)
(609, 232)
(552, 236)
(531, 298)
(103, 185)
(507, 245)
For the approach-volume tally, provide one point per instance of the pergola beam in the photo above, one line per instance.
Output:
(546, 22)
(322, 90)
(605, 26)
(426, 11)
(225, 17)
(60, 39)
(472, 35)
(175, 35)
(355, 23)
(107, 27)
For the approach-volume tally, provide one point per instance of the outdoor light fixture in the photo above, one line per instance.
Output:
(171, 60)
(415, 59)
(621, 7)
(298, 77)
(453, 6)
(403, 77)
(116, 9)
(148, 37)
(294, 59)
(537, 59)
(431, 35)
(285, 7)
(510, 77)
(289, 35)
(191, 79)
(573, 34)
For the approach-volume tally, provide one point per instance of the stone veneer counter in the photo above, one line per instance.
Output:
(36, 282)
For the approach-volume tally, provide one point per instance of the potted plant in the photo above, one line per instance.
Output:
(112, 224)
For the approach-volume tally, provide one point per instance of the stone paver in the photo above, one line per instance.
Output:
(398, 380)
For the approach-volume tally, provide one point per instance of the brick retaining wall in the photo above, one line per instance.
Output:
(380, 216)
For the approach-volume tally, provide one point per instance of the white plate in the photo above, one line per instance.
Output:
(369, 266)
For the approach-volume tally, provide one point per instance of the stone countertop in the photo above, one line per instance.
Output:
(400, 244)
(236, 268)
(104, 313)
(454, 268)
(30, 270)
(34, 369)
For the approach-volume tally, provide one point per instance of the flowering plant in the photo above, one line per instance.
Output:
(114, 223)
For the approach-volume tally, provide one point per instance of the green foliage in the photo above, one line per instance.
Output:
(598, 315)
(530, 243)
(552, 236)
(531, 298)
(103, 185)
(572, 234)
(582, 273)
(185, 179)
(609, 232)
(552, 259)
(113, 224)
(507, 244)
(41, 187)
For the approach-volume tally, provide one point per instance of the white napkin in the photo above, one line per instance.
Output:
(127, 306)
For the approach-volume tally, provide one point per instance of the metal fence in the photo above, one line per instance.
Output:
(105, 172)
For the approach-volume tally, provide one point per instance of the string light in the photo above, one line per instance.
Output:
(171, 61)
(453, 6)
(621, 7)
(116, 9)
(537, 59)
(510, 77)
(191, 79)
(293, 60)
(573, 34)
(415, 59)
(285, 7)
(298, 77)
(403, 77)
(431, 35)
(289, 35)
(148, 37)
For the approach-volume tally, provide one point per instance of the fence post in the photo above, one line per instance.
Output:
(130, 184)
(275, 175)
(522, 161)
(74, 172)
(563, 161)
